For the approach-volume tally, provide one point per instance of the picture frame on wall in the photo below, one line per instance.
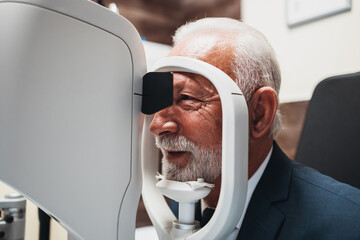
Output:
(300, 12)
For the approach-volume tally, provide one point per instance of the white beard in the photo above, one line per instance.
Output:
(203, 163)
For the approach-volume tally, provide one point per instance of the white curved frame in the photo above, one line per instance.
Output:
(234, 154)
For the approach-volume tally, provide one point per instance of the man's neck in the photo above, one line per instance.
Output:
(258, 150)
(212, 199)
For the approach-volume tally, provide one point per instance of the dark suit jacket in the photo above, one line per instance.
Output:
(292, 201)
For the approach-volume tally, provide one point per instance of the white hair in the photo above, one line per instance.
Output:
(254, 64)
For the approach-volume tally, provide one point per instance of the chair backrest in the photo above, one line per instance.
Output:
(330, 140)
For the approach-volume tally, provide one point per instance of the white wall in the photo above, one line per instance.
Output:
(308, 53)
(155, 51)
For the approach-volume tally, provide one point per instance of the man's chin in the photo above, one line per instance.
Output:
(179, 179)
(178, 174)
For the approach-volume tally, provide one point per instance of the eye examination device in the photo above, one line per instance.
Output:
(76, 103)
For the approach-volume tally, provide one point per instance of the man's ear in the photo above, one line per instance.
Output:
(262, 110)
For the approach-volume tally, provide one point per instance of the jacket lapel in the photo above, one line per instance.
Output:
(262, 219)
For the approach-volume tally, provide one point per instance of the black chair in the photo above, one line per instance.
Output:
(330, 140)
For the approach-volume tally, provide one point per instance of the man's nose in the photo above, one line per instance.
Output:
(163, 123)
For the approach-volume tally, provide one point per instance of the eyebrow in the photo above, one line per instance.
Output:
(197, 82)
(179, 87)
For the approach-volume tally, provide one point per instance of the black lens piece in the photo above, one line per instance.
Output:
(157, 92)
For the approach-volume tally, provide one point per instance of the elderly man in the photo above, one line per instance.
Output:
(286, 200)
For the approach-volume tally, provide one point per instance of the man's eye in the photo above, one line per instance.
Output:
(189, 103)
(187, 97)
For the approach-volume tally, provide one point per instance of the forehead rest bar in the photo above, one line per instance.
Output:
(157, 92)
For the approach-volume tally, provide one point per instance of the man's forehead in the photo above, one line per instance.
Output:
(196, 46)
(199, 44)
(192, 81)
(215, 48)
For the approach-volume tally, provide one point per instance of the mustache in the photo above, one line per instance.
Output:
(204, 162)
(175, 143)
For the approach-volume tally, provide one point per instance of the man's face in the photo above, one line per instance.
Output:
(189, 132)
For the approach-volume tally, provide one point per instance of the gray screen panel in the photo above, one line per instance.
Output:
(65, 105)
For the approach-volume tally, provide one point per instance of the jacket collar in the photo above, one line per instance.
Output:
(262, 219)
